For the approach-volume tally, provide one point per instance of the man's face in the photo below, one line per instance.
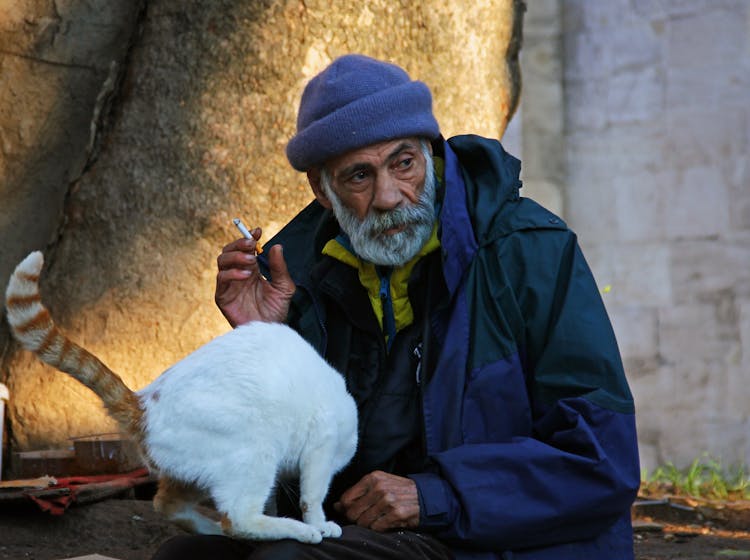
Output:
(383, 198)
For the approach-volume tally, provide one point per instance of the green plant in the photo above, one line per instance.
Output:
(704, 478)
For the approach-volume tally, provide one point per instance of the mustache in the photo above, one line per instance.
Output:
(406, 216)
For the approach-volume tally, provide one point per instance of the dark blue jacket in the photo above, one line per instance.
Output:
(529, 422)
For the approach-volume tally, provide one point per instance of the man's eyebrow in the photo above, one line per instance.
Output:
(360, 166)
(406, 145)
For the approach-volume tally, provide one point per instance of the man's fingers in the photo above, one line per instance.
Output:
(367, 516)
(399, 513)
(226, 276)
(242, 245)
(279, 272)
(382, 501)
(354, 493)
(362, 501)
(387, 512)
(357, 511)
(236, 259)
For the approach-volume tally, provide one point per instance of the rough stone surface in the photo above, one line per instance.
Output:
(59, 64)
(196, 137)
(55, 61)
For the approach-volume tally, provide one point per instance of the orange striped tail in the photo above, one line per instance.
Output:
(34, 328)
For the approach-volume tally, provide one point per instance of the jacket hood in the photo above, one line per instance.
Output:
(492, 180)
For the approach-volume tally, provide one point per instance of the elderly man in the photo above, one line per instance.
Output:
(495, 418)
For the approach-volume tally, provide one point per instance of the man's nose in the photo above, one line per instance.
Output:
(387, 195)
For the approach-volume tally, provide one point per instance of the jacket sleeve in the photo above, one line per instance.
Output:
(575, 472)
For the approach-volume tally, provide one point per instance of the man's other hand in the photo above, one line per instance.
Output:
(381, 501)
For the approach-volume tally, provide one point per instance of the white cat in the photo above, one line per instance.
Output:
(228, 420)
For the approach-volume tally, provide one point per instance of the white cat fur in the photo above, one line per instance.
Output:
(250, 406)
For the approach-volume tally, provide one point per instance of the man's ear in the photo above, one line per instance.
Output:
(313, 177)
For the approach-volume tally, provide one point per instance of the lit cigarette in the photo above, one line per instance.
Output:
(246, 234)
(243, 230)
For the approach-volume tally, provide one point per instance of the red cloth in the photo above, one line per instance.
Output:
(56, 505)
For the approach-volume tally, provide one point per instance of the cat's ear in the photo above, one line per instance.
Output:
(313, 177)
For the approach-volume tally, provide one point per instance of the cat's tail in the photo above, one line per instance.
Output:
(34, 328)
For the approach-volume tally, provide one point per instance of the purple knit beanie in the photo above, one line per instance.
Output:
(355, 102)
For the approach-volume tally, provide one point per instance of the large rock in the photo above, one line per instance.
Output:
(196, 137)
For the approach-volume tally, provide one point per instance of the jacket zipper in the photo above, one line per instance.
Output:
(389, 321)
(418, 373)
(419, 355)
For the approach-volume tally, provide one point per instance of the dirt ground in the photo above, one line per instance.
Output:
(692, 542)
(129, 529)
(126, 529)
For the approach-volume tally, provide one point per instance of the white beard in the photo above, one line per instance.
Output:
(367, 236)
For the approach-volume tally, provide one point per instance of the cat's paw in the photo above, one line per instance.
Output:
(308, 534)
(330, 529)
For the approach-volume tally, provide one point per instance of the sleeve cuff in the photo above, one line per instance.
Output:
(435, 501)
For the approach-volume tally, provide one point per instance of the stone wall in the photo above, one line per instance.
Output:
(204, 103)
(657, 185)
(542, 110)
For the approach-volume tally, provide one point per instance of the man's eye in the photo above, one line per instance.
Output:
(405, 163)
(358, 176)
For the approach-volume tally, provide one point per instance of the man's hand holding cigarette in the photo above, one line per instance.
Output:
(242, 293)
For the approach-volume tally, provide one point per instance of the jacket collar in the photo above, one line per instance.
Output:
(457, 238)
